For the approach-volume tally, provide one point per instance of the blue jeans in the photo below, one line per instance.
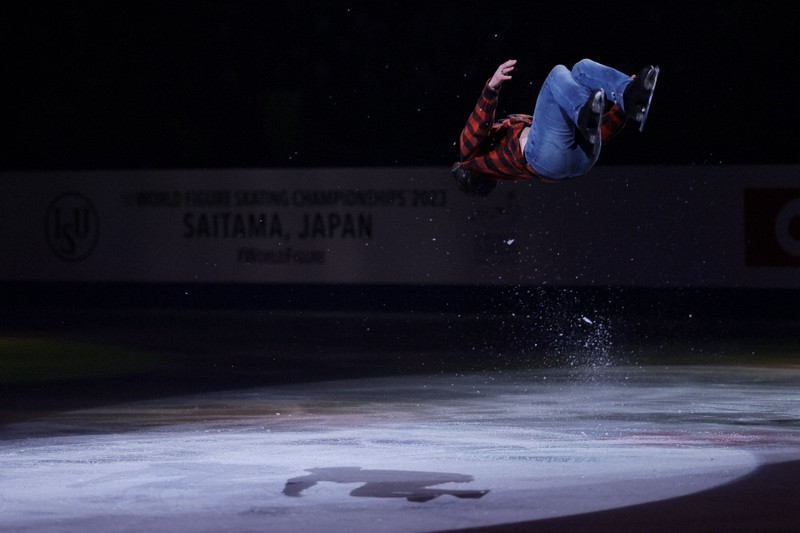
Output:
(552, 149)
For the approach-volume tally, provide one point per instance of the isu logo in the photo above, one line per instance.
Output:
(772, 227)
(72, 227)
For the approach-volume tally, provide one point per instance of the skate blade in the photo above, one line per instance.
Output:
(598, 104)
(652, 88)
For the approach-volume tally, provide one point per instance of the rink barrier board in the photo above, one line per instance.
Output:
(630, 303)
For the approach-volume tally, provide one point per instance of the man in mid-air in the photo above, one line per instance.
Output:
(570, 122)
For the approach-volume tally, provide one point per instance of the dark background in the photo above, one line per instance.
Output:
(91, 85)
(102, 85)
(147, 85)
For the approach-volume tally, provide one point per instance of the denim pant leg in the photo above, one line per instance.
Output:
(551, 149)
(593, 75)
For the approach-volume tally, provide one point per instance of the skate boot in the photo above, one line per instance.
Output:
(590, 117)
(639, 94)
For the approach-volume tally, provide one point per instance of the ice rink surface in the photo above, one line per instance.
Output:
(611, 448)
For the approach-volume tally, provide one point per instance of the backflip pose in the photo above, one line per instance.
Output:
(563, 137)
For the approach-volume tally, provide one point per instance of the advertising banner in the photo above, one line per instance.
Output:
(619, 226)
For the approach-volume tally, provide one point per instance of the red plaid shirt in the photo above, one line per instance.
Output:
(493, 148)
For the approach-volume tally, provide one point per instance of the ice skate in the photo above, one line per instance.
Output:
(590, 117)
(639, 95)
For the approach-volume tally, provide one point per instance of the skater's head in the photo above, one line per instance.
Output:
(472, 183)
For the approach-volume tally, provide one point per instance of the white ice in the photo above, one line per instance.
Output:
(543, 443)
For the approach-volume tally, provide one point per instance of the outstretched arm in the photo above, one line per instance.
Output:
(482, 117)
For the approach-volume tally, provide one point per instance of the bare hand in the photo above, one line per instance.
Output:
(502, 74)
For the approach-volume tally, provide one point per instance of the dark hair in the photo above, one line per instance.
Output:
(472, 183)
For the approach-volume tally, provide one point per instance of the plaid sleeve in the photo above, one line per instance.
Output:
(613, 122)
(480, 121)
